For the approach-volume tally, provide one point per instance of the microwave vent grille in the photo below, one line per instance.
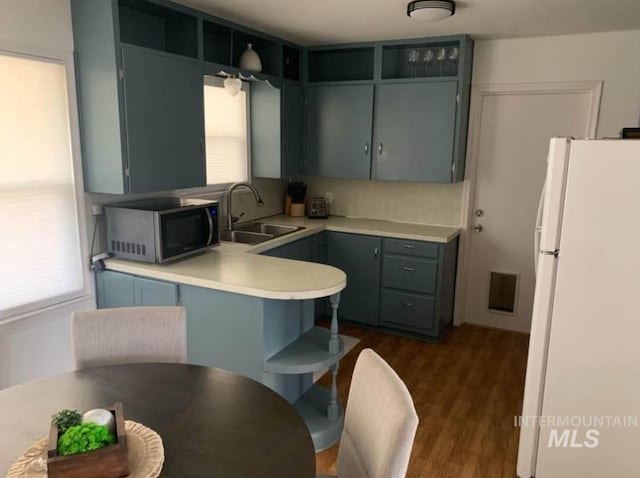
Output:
(129, 248)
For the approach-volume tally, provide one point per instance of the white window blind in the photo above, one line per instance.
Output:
(40, 260)
(226, 135)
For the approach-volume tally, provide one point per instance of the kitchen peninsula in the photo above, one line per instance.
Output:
(251, 308)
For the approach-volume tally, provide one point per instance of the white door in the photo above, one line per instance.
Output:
(511, 147)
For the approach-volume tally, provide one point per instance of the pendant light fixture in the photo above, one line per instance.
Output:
(431, 10)
(233, 85)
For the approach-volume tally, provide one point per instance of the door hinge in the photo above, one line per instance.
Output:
(121, 73)
(458, 98)
(126, 172)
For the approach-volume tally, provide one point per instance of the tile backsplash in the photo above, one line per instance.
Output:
(422, 203)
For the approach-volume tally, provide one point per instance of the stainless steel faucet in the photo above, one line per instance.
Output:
(231, 219)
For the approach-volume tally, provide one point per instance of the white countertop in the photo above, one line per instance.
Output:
(373, 227)
(239, 269)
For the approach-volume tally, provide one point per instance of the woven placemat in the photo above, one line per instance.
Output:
(144, 446)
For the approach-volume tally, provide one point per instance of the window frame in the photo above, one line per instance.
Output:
(218, 82)
(66, 60)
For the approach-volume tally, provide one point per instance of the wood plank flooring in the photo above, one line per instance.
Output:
(466, 390)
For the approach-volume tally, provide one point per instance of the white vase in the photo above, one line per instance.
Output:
(249, 60)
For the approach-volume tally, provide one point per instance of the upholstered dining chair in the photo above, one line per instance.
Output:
(379, 425)
(129, 334)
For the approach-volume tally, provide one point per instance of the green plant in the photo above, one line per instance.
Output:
(84, 438)
(65, 419)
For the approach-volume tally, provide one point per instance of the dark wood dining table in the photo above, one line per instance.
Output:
(213, 423)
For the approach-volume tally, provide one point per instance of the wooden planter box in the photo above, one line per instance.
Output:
(107, 462)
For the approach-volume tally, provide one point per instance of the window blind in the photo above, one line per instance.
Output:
(226, 135)
(40, 258)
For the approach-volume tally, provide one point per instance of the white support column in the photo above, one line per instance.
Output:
(334, 341)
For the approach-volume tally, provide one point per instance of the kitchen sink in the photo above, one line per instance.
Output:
(256, 232)
(244, 237)
(266, 228)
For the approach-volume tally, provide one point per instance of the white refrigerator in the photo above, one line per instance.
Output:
(583, 369)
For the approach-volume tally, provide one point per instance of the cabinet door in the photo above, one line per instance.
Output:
(266, 155)
(359, 257)
(164, 116)
(292, 121)
(414, 131)
(114, 289)
(150, 293)
(338, 130)
(300, 250)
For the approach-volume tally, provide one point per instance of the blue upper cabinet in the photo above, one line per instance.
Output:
(140, 96)
(410, 96)
(164, 120)
(140, 67)
(338, 130)
(414, 131)
(292, 121)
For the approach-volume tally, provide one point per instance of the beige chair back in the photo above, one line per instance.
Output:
(380, 422)
(128, 335)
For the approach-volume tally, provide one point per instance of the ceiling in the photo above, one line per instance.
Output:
(310, 22)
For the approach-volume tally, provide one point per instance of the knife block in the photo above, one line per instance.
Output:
(297, 210)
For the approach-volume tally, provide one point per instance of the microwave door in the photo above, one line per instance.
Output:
(183, 233)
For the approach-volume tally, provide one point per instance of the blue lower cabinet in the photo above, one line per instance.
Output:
(300, 250)
(418, 286)
(154, 293)
(116, 289)
(359, 257)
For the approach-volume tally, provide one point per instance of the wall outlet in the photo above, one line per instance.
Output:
(328, 197)
(96, 210)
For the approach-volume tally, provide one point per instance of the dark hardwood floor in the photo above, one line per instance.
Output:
(466, 389)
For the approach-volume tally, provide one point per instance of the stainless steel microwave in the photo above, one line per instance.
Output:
(161, 230)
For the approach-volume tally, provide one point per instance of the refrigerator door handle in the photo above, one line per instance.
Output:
(538, 228)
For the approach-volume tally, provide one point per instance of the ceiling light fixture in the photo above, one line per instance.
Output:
(233, 85)
(431, 10)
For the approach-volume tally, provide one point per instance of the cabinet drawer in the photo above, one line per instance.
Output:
(412, 248)
(410, 274)
(408, 310)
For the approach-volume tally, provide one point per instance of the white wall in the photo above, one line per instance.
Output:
(38, 344)
(611, 57)
(40, 23)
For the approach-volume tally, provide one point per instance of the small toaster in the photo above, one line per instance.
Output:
(318, 208)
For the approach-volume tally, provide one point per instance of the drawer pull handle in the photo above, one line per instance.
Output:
(407, 304)
(409, 246)
(408, 269)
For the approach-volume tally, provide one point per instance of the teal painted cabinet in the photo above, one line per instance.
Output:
(414, 131)
(300, 250)
(338, 130)
(418, 284)
(276, 130)
(414, 114)
(116, 289)
(164, 117)
(292, 129)
(359, 257)
(140, 96)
